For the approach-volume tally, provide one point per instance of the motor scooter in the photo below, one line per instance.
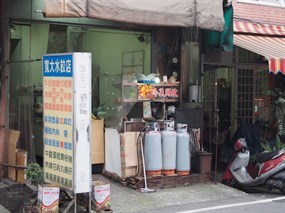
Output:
(268, 169)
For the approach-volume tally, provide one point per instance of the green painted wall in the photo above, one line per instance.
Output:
(107, 48)
(33, 44)
(39, 48)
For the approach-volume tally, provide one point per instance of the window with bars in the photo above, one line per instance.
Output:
(209, 95)
(245, 56)
(245, 95)
(252, 87)
(261, 100)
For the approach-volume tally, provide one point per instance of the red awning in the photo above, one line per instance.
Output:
(255, 28)
(265, 40)
(277, 65)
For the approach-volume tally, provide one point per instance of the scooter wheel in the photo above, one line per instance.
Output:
(231, 183)
(226, 182)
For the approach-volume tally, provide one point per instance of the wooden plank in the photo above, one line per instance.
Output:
(172, 181)
(5, 92)
(5, 152)
(21, 159)
(13, 140)
(12, 165)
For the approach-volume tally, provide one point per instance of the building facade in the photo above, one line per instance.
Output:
(240, 80)
(34, 28)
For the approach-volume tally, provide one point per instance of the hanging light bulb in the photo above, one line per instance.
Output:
(157, 80)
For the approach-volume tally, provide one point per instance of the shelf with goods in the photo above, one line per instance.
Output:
(128, 92)
(125, 95)
(120, 99)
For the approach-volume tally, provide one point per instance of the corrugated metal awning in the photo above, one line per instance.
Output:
(265, 40)
(206, 14)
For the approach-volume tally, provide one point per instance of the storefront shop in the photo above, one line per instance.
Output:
(138, 70)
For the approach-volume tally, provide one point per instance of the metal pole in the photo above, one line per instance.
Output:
(216, 148)
(89, 207)
(217, 132)
(75, 203)
(4, 76)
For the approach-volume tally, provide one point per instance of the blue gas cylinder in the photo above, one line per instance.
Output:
(168, 152)
(153, 153)
(183, 152)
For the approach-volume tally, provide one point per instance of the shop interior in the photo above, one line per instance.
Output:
(117, 56)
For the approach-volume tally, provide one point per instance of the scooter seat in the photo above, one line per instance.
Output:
(265, 156)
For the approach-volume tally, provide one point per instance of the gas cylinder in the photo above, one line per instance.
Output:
(152, 153)
(183, 151)
(168, 152)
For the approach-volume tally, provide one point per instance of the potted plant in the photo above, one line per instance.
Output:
(274, 140)
(35, 174)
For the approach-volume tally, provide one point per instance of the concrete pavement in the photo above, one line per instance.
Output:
(125, 199)
(3, 209)
(128, 200)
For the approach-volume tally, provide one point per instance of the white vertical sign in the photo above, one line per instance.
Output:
(67, 120)
(82, 121)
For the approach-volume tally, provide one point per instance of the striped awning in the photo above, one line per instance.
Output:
(265, 40)
(277, 65)
(256, 28)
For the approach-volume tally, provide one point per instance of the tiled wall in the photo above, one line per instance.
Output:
(259, 13)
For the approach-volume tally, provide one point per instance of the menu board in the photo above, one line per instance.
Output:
(66, 104)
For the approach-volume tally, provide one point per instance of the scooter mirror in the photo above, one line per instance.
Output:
(240, 144)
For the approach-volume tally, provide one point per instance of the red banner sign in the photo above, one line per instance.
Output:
(158, 92)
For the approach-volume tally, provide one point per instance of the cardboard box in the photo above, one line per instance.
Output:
(97, 146)
(129, 171)
(21, 159)
(129, 149)
(131, 162)
(133, 126)
(203, 161)
(48, 198)
(14, 136)
(102, 195)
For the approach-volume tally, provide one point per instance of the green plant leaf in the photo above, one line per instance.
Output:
(265, 145)
(35, 174)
